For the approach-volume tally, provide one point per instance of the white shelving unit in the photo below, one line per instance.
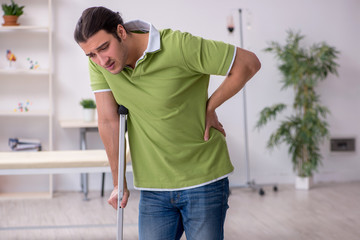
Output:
(24, 73)
(40, 78)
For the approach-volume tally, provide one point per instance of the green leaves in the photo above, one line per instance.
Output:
(88, 103)
(300, 65)
(302, 68)
(269, 113)
(13, 9)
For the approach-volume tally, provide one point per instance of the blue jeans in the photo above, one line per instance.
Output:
(200, 212)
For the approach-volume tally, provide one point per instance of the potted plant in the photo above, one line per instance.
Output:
(305, 128)
(11, 13)
(88, 109)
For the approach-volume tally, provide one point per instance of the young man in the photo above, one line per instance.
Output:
(179, 154)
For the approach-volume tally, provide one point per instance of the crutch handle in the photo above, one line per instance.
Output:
(122, 110)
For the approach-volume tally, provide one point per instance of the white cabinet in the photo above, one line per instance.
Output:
(20, 85)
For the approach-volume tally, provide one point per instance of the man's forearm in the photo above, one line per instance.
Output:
(108, 124)
(109, 133)
(245, 66)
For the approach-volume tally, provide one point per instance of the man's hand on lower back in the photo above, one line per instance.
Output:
(212, 121)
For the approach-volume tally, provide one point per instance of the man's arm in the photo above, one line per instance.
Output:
(108, 124)
(245, 65)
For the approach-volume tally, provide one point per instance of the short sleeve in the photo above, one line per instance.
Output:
(207, 56)
(97, 79)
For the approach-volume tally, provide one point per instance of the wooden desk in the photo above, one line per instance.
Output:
(84, 127)
(53, 162)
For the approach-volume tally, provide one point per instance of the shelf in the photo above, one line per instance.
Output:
(31, 113)
(77, 123)
(26, 195)
(16, 28)
(24, 71)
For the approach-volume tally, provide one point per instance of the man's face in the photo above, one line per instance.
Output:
(107, 51)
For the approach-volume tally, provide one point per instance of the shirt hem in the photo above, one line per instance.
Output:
(184, 188)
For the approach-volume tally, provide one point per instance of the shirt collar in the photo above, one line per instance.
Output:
(154, 35)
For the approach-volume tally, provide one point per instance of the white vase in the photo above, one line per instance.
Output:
(89, 114)
(303, 183)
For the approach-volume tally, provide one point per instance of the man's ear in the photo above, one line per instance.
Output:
(121, 32)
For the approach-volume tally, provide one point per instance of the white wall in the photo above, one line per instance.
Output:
(332, 21)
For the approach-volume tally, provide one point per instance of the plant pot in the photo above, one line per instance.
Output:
(10, 20)
(303, 183)
(89, 114)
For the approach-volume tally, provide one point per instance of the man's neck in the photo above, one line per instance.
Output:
(137, 46)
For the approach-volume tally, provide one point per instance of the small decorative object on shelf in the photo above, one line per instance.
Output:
(33, 64)
(88, 109)
(10, 57)
(24, 144)
(11, 13)
(23, 107)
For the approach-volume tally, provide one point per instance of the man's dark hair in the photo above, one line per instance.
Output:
(95, 19)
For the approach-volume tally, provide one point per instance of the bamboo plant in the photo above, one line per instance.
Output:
(306, 127)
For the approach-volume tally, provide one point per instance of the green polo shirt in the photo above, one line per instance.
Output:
(166, 94)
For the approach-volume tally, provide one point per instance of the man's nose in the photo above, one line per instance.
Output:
(102, 60)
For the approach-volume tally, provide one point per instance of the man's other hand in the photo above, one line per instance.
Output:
(113, 199)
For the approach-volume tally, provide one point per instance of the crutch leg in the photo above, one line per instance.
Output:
(121, 167)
